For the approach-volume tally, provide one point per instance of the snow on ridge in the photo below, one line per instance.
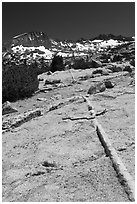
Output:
(21, 49)
(63, 54)
(110, 42)
(65, 49)
(97, 41)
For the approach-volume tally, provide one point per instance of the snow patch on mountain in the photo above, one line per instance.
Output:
(45, 52)
(97, 41)
(63, 54)
(110, 42)
(64, 49)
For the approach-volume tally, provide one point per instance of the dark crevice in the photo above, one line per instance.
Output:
(48, 164)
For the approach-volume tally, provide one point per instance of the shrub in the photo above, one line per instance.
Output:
(18, 81)
(57, 64)
(81, 64)
(85, 64)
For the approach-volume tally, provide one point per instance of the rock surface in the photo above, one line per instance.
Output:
(109, 84)
(49, 159)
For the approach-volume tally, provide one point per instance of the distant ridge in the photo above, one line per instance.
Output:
(39, 38)
(111, 36)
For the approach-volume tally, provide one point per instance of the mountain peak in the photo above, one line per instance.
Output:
(31, 39)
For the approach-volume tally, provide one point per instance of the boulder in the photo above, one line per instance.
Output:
(81, 63)
(55, 81)
(128, 69)
(115, 68)
(109, 84)
(108, 70)
(7, 108)
(96, 63)
(117, 57)
(132, 62)
(96, 75)
(86, 77)
(97, 71)
(105, 72)
(101, 71)
(41, 99)
(132, 82)
(96, 88)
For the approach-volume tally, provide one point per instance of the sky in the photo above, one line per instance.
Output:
(68, 20)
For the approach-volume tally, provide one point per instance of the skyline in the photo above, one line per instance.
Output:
(68, 20)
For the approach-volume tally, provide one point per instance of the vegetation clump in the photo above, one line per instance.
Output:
(18, 81)
(57, 64)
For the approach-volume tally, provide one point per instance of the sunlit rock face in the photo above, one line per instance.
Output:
(32, 39)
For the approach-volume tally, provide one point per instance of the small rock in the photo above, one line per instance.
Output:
(128, 69)
(49, 73)
(41, 99)
(7, 108)
(40, 79)
(85, 77)
(109, 84)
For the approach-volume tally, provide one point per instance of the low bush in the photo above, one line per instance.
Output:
(18, 81)
(81, 64)
(57, 64)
